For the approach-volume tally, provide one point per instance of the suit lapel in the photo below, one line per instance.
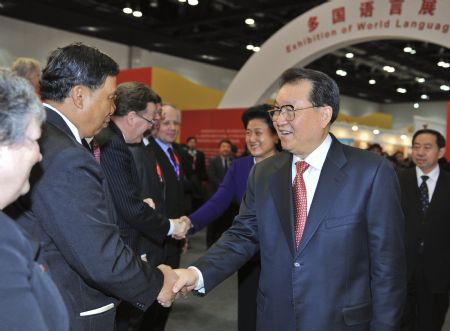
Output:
(54, 119)
(331, 179)
(279, 181)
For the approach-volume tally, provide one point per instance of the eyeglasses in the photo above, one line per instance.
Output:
(287, 110)
(151, 122)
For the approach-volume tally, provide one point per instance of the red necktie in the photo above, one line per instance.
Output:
(299, 191)
(95, 150)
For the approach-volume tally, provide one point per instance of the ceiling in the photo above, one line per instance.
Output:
(214, 32)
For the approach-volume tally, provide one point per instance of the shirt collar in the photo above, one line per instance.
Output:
(317, 158)
(433, 174)
(163, 145)
(71, 126)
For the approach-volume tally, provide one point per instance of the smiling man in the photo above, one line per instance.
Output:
(425, 202)
(326, 219)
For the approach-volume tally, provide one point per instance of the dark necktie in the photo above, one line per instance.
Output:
(300, 203)
(225, 164)
(175, 161)
(424, 196)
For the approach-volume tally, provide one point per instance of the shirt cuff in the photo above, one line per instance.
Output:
(200, 286)
(171, 228)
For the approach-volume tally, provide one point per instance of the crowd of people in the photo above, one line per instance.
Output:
(98, 199)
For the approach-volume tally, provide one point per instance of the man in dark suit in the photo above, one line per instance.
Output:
(169, 157)
(135, 108)
(425, 202)
(326, 218)
(217, 168)
(70, 210)
(198, 178)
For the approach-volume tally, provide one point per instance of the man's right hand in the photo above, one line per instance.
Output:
(187, 281)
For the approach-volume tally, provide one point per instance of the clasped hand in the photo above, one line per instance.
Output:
(176, 281)
(181, 227)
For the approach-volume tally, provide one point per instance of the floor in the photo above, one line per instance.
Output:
(217, 311)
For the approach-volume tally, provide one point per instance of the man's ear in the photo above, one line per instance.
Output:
(78, 95)
(441, 152)
(325, 116)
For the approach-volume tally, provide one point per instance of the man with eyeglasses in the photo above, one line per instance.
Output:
(326, 219)
(135, 110)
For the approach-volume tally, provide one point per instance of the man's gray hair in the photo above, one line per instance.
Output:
(18, 105)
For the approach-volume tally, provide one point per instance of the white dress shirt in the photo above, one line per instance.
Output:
(71, 126)
(311, 177)
(431, 181)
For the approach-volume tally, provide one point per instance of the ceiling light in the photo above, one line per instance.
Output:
(413, 51)
(443, 64)
(193, 2)
(388, 68)
(416, 105)
(372, 81)
(420, 79)
(401, 90)
(250, 47)
(153, 3)
(181, 0)
(355, 128)
(349, 55)
(445, 88)
(407, 49)
(376, 131)
(424, 97)
(340, 72)
(249, 21)
(208, 57)
(256, 49)
(127, 10)
(137, 13)
(403, 137)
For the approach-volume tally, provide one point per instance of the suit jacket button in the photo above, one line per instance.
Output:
(297, 265)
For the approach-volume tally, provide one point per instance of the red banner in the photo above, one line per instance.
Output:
(211, 126)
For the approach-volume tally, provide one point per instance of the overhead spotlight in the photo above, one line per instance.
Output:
(249, 21)
(349, 55)
(127, 10)
(256, 49)
(401, 90)
(420, 79)
(181, 0)
(137, 13)
(443, 64)
(192, 2)
(445, 88)
(341, 72)
(416, 105)
(407, 49)
(424, 97)
(376, 131)
(372, 81)
(250, 47)
(403, 137)
(413, 52)
(388, 68)
(153, 3)
(355, 128)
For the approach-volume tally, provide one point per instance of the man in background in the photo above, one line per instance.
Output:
(28, 68)
(425, 202)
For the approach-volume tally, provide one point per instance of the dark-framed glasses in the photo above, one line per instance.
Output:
(288, 111)
(151, 122)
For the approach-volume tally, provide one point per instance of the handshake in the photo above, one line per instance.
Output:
(180, 225)
(176, 282)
